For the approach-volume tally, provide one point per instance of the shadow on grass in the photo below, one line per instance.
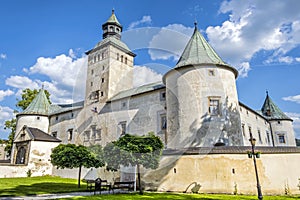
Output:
(40, 188)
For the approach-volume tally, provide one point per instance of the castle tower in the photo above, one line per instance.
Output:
(281, 125)
(36, 114)
(202, 98)
(110, 65)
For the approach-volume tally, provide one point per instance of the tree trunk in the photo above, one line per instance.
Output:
(139, 178)
(79, 175)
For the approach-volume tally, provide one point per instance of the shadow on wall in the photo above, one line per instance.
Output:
(216, 130)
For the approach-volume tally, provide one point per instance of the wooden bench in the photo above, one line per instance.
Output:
(101, 185)
(89, 184)
(129, 185)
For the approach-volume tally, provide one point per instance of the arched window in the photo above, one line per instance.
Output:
(20, 159)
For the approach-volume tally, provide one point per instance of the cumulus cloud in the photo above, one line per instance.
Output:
(243, 35)
(143, 75)
(6, 113)
(21, 82)
(162, 45)
(66, 73)
(295, 98)
(4, 93)
(145, 20)
(296, 123)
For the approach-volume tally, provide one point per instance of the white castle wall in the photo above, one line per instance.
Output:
(35, 121)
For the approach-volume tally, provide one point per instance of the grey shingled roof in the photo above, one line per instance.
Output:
(198, 51)
(271, 111)
(138, 90)
(39, 105)
(113, 19)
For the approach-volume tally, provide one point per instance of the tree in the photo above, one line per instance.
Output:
(134, 150)
(10, 124)
(73, 156)
(27, 96)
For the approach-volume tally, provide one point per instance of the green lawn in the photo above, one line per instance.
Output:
(49, 184)
(37, 185)
(179, 196)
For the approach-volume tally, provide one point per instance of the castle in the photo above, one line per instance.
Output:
(194, 110)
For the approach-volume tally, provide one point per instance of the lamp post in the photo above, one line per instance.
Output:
(252, 141)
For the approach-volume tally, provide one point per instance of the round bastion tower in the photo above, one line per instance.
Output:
(202, 101)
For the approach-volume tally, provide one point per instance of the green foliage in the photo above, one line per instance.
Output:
(134, 150)
(10, 124)
(29, 173)
(27, 96)
(72, 156)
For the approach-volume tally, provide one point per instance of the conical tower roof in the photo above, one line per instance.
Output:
(271, 111)
(113, 18)
(39, 105)
(198, 51)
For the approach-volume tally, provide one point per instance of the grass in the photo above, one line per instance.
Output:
(49, 184)
(180, 196)
(38, 185)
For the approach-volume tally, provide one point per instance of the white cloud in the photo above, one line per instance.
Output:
(67, 75)
(4, 93)
(252, 26)
(3, 56)
(145, 20)
(296, 123)
(295, 98)
(143, 75)
(6, 113)
(21, 82)
(162, 45)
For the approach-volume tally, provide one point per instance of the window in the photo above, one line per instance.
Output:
(98, 134)
(243, 130)
(118, 56)
(123, 105)
(93, 128)
(123, 128)
(72, 115)
(98, 57)
(102, 80)
(126, 60)
(250, 131)
(214, 107)
(121, 58)
(211, 72)
(95, 59)
(70, 134)
(268, 137)
(86, 136)
(162, 95)
(163, 122)
(91, 84)
(103, 68)
(56, 118)
(279, 123)
(38, 118)
(54, 134)
(281, 139)
(102, 94)
(259, 136)
(92, 71)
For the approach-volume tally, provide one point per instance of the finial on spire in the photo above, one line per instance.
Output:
(267, 92)
(195, 23)
(113, 11)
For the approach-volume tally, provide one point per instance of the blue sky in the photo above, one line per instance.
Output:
(43, 43)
